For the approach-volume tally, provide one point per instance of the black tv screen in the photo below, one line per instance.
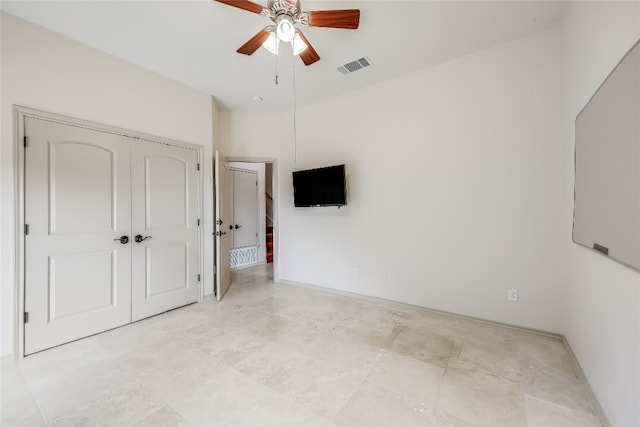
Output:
(320, 187)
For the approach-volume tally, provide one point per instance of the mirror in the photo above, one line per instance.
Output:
(607, 166)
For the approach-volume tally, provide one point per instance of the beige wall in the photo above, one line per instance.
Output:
(43, 70)
(250, 135)
(461, 186)
(602, 309)
(460, 178)
(453, 178)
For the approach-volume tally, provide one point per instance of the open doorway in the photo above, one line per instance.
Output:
(266, 220)
(268, 194)
(252, 211)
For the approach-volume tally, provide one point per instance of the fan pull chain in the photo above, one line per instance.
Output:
(295, 132)
(276, 67)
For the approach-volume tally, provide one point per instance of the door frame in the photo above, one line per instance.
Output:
(20, 114)
(276, 214)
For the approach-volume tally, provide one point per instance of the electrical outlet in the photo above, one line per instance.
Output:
(384, 275)
(355, 272)
(512, 295)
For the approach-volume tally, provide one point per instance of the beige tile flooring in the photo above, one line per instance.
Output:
(274, 354)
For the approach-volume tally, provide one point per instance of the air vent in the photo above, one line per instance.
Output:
(355, 65)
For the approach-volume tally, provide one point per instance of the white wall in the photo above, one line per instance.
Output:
(43, 70)
(602, 315)
(486, 144)
(460, 179)
(453, 185)
(250, 135)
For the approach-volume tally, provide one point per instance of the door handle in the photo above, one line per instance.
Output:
(238, 226)
(139, 238)
(122, 239)
(220, 233)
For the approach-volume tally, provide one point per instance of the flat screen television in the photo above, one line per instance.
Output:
(320, 187)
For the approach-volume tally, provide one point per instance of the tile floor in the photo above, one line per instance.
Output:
(284, 355)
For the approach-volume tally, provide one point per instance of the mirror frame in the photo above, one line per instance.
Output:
(581, 178)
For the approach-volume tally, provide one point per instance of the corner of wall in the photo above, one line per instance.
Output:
(602, 298)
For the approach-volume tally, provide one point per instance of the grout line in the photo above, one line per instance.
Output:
(597, 407)
(593, 399)
(33, 397)
(379, 300)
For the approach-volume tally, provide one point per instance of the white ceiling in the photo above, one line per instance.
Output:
(194, 42)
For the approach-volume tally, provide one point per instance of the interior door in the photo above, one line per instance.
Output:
(165, 225)
(245, 208)
(223, 221)
(77, 207)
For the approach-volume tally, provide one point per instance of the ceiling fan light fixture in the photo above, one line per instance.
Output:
(285, 15)
(285, 29)
(297, 44)
(272, 43)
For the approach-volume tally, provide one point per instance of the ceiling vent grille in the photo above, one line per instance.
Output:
(355, 65)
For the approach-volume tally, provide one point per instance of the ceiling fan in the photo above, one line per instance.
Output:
(285, 14)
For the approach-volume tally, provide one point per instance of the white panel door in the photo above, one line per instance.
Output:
(77, 206)
(223, 221)
(164, 187)
(245, 208)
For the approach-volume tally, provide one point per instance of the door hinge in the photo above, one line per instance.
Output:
(26, 229)
(26, 317)
(198, 166)
(198, 277)
(25, 141)
(198, 221)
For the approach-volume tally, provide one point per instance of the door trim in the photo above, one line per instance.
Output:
(20, 114)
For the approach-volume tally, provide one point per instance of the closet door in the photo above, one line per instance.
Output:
(77, 207)
(165, 220)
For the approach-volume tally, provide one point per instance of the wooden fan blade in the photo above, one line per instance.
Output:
(348, 19)
(243, 4)
(309, 55)
(254, 43)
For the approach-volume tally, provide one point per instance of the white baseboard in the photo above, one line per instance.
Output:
(593, 399)
(553, 335)
(560, 337)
